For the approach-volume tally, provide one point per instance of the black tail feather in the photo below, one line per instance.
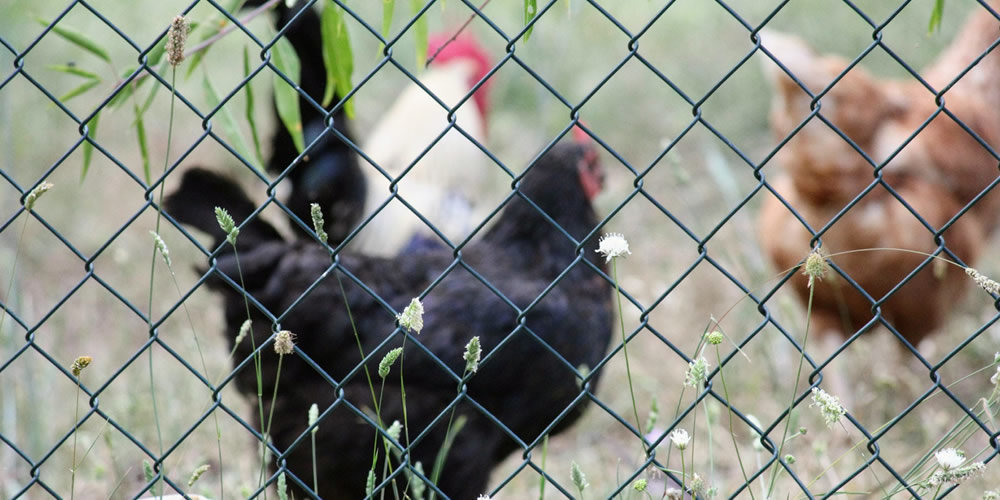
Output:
(201, 190)
(329, 173)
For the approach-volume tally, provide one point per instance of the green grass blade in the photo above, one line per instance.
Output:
(337, 57)
(442, 453)
(286, 98)
(73, 70)
(419, 33)
(80, 89)
(88, 148)
(530, 10)
(249, 110)
(936, 14)
(230, 128)
(388, 8)
(78, 39)
(140, 131)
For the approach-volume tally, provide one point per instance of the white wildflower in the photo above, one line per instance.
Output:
(412, 318)
(613, 245)
(680, 438)
(949, 458)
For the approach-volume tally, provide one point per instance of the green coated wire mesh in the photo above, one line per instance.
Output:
(728, 138)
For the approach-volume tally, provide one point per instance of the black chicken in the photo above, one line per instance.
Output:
(328, 173)
(533, 336)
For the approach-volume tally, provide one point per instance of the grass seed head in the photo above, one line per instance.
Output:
(386, 364)
(227, 224)
(473, 352)
(161, 247)
(815, 267)
(244, 330)
(983, 281)
(196, 475)
(282, 487)
(35, 194)
(284, 343)
(176, 37)
(578, 477)
(395, 430)
(829, 406)
(317, 220)
(639, 485)
(79, 364)
(412, 318)
(696, 372)
(313, 417)
(715, 338)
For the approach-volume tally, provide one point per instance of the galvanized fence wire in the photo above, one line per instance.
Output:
(769, 432)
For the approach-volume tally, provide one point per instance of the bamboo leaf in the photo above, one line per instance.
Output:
(126, 91)
(85, 86)
(230, 127)
(286, 98)
(530, 10)
(154, 90)
(936, 14)
(419, 33)
(88, 148)
(250, 106)
(154, 56)
(140, 131)
(388, 7)
(337, 57)
(78, 39)
(73, 70)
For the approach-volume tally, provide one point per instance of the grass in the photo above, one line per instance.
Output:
(699, 181)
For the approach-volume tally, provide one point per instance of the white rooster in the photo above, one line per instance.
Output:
(447, 182)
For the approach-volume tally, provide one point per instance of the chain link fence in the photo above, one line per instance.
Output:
(673, 97)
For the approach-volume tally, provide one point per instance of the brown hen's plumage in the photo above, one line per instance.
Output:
(936, 174)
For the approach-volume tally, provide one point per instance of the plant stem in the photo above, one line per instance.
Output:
(10, 284)
(76, 423)
(732, 433)
(257, 369)
(628, 367)
(795, 390)
(152, 265)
